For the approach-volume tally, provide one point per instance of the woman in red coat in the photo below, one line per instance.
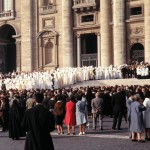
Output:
(70, 117)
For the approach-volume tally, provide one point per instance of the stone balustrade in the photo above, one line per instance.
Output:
(80, 2)
(6, 15)
(89, 60)
(84, 4)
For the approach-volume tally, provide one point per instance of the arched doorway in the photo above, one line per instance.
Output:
(137, 52)
(7, 49)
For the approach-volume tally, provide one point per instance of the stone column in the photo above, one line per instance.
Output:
(41, 3)
(106, 49)
(67, 33)
(18, 55)
(98, 50)
(12, 5)
(1, 6)
(26, 35)
(119, 32)
(147, 29)
(78, 51)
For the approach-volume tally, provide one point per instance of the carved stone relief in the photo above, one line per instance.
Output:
(137, 31)
(48, 22)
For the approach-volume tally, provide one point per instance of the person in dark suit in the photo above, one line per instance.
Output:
(38, 122)
(97, 110)
(119, 107)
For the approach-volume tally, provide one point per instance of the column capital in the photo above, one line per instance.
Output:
(78, 35)
(97, 33)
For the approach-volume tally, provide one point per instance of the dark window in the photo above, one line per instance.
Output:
(136, 11)
(87, 18)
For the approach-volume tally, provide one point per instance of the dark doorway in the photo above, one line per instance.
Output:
(7, 49)
(89, 50)
(88, 44)
(137, 52)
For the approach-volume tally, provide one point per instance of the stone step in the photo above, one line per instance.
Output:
(113, 82)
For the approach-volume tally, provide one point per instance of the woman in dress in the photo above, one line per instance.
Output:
(70, 117)
(146, 103)
(136, 116)
(59, 116)
(81, 113)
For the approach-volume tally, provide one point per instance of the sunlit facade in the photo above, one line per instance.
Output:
(45, 34)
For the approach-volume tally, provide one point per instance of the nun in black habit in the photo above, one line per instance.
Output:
(15, 129)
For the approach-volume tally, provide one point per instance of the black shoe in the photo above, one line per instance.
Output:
(134, 140)
(113, 128)
(147, 139)
(119, 129)
(141, 141)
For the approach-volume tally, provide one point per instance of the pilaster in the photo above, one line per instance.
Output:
(26, 35)
(78, 51)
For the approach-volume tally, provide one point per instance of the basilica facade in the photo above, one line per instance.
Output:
(45, 34)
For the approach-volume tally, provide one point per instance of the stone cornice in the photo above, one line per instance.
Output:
(86, 27)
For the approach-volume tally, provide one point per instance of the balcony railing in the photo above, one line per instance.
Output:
(89, 60)
(83, 3)
(6, 15)
(48, 9)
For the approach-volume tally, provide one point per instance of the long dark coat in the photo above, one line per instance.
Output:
(15, 129)
(38, 122)
(119, 102)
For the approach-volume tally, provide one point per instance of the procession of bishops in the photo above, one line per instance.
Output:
(62, 77)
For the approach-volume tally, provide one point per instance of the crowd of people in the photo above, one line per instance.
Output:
(34, 103)
(72, 107)
(61, 77)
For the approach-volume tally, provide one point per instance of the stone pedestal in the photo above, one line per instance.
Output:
(67, 33)
(26, 35)
(106, 50)
(147, 30)
(119, 32)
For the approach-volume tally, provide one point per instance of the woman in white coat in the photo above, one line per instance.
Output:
(81, 113)
(146, 115)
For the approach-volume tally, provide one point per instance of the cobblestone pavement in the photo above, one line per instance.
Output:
(93, 140)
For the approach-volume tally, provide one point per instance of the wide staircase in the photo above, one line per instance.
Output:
(113, 82)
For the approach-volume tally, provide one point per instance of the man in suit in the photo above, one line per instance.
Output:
(38, 122)
(97, 109)
(119, 108)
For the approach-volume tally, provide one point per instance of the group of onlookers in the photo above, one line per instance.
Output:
(139, 71)
(72, 107)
